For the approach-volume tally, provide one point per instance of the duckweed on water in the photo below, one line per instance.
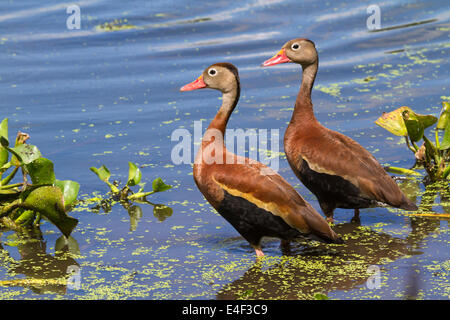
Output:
(148, 271)
(116, 25)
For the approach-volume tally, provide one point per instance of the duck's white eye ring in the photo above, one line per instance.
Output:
(212, 72)
(295, 46)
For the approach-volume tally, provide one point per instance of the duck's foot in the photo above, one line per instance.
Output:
(330, 220)
(355, 218)
(258, 251)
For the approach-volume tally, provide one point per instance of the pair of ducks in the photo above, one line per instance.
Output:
(257, 201)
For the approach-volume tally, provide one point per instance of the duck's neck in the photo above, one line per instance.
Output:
(303, 110)
(229, 102)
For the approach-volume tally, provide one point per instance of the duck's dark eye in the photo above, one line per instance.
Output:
(295, 46)
(212, 72)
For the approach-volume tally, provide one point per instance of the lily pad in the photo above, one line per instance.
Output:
(48, 200)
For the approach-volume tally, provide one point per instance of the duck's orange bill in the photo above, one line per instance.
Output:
(280, 57)
(197, 84)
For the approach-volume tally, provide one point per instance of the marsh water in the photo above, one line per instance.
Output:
(108, 95)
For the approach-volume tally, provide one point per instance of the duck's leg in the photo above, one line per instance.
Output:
(355, 218)
(285, 246)
(328, 210)
(258, 250)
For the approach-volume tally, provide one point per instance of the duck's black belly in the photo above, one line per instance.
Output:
(333, 190)
(252, 222)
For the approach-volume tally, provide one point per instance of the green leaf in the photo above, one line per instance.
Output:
(102, 172)
(393, 121)
(413, 126)
(4, 128)
(444, 123)
(444, 116)
(4, 154)
(70, 190)
(27, 153)
(4, 142)
(430, 149)
(158, 185)
(48, 200)
(445, 143)
(41, 171)
(134, 174)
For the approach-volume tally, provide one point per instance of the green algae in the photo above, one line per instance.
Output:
(116, 25)
(206, 272)
(386, 73)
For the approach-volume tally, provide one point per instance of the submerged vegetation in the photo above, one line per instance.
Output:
(433, 157)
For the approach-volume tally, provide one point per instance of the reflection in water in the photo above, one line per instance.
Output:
(323, 269)
(46, 273)
(160, 211)
(43, 272)
(407, 25)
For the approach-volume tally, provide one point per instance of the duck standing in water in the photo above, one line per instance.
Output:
(334, 167)
(253, 198)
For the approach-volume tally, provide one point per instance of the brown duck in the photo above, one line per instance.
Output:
(337, 169)
(253, 198)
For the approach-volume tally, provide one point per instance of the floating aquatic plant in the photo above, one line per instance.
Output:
(24, 204)
(434, 157)
(126, 196)
(134, 178)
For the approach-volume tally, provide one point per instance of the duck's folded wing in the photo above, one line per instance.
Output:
(342, 156)
(269, 191)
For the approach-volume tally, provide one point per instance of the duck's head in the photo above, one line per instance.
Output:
(300, 50)
(220, 76)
